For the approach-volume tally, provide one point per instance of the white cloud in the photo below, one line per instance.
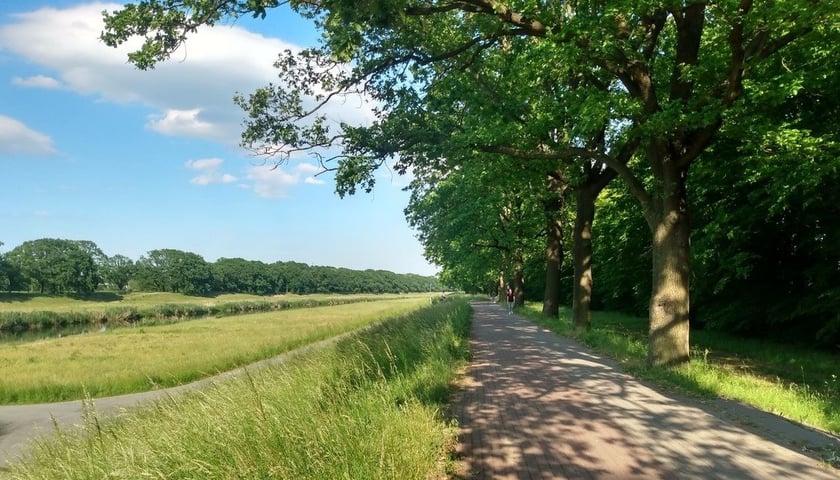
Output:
(38, 81)
(184, 123)
(308, 168)
(270, 181)
(273, 181)
(205, 164)
(192, 93)
(208, 169)
(212, 177)
(17, 138)
(311, 171)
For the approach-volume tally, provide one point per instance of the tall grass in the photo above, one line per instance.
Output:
(137, 359)
(29, 302)
(52, 314)
(797, 383)
(369, 408)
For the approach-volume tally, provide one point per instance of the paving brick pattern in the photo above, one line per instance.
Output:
(538, 406)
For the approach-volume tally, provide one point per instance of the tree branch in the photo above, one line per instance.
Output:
(618, 162)
(528, 26)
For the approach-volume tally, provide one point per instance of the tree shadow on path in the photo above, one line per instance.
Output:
(535, 405)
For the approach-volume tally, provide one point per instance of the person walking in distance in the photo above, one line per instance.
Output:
(510, 299)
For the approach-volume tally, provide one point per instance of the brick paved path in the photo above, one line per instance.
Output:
(538, 406)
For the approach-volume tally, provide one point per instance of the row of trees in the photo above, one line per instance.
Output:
(519, 119)
(58, 266)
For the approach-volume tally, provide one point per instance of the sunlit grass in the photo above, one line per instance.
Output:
(796, 383)
(136, 359)
(26, 302)
(368, 408)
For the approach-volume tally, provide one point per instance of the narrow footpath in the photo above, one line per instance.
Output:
(538, 406)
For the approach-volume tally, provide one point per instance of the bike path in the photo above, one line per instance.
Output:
(535, 405)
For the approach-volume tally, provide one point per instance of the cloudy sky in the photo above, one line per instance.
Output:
(93, 149)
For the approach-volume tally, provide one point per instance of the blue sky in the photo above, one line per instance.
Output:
(93, 149)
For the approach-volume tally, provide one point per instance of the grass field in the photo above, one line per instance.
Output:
(371, 407)
(129, 360)
(26, 302)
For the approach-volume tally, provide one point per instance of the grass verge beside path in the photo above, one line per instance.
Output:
(795, 383)
(369, 407)
(132, 360)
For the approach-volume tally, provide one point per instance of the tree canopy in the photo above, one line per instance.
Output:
(650, 89)
(55, 266)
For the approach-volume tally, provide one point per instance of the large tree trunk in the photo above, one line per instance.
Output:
(582, 258)
(519, 284)
(554, 244)
(553, 263)
(668, 338)
(585, 195)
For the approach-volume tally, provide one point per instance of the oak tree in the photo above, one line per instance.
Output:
(674, 70)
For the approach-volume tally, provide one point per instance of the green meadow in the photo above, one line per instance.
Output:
(372, 405)
(30, 302)
(133, 359)
(28, 317)
(101, 301)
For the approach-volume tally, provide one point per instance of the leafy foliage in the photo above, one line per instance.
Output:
(63, 267)
(170, 270)
(117, 271)
(50, 265)
(654, 90)
(478, 221)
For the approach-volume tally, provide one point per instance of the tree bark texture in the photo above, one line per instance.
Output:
(554, 243)
(582, 258)
(668, 338)
(519, 284)
(553, 263)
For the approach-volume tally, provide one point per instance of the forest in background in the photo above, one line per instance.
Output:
(79, 267)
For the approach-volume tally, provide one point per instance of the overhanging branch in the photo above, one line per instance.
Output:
(527, 25)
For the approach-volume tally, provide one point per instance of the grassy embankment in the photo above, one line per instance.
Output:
(797, 383)
(127, 360)
(368, 407)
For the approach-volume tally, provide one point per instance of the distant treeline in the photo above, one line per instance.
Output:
(79, 267)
